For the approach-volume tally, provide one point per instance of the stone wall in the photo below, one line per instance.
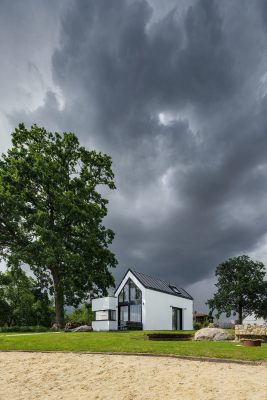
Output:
(251, 332)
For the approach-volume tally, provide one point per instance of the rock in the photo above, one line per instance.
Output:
(70, 326)
(222, 336)
(214, 334)
(55, 327)
(213, 325)
(251, 331)
(83, 328)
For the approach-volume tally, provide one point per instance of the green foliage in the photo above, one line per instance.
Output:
(20, 329)
(197, 325)
(261, 310)
(51, 214)
(241, 288)
(22, 302)
(83, 315)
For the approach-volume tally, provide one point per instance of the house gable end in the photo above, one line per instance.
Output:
(129, 275)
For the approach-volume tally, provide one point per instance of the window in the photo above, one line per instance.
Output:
(174, 289)
(136, 313)
(105, 315)
(130, 293)
(124, 313)
(121, 296)
(126, 293)
(130, 303)
(177, 318)
(101, 315)
(112, 315)
(135, 293)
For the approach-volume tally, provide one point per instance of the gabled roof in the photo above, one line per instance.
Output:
(158, 285)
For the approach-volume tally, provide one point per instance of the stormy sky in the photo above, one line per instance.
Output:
(176, 93)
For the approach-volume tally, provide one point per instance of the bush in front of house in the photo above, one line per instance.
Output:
(197, 325)
(81, 316)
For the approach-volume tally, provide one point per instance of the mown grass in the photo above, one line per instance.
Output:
(129, 342)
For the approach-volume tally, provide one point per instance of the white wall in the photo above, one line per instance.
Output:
(157, 310)
(105, 325)
(101, 304)
(105, 303)
(251, 319)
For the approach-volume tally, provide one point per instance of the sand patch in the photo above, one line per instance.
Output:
(32, 376)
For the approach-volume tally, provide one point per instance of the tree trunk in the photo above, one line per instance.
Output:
(59, 298)
(240, 315)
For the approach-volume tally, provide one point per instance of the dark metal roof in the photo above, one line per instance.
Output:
(159, 285)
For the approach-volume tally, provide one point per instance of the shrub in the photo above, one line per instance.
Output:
(197, 325)
(82, 316)
(24, 329)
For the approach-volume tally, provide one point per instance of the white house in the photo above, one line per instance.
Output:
(253, 320)
(143, 302)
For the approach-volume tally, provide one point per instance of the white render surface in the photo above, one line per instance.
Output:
(105, 325)
(157, 310)
(105, 303)
(251, 319)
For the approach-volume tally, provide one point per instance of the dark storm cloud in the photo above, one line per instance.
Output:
(180, 104)
(127, 73)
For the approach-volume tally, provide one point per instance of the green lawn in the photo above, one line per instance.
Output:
(129, 342)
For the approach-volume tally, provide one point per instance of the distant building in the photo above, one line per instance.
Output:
(143, 302)
(202, 318)
(251, 319)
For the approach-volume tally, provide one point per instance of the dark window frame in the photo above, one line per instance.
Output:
(130, 302)
(109, 315)
(179, 315)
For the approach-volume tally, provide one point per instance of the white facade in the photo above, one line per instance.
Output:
(158, 311)
(251, 319)
(157, 308)
(103, 308)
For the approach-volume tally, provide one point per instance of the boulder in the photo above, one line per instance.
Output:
(214, 334)
(213, 325)
(83, 328)
(70, 326)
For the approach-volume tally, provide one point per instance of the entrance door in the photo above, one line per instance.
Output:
(177, 319)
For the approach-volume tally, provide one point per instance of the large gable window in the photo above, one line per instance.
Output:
(130, 303)
(130, 293)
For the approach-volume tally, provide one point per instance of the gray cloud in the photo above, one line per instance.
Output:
(177, 96)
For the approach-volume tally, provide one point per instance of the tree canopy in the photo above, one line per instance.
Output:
(240, 288)
(51, 214)
(22, 302)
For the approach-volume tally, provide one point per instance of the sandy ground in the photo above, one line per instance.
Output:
(32, 376)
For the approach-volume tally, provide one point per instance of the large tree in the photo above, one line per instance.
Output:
(51, 214)
(240, 288)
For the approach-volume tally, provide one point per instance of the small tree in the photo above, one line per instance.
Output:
(82, 315)
(51, 214)
(241, 288)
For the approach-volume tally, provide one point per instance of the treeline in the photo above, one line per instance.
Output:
(22, 302)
